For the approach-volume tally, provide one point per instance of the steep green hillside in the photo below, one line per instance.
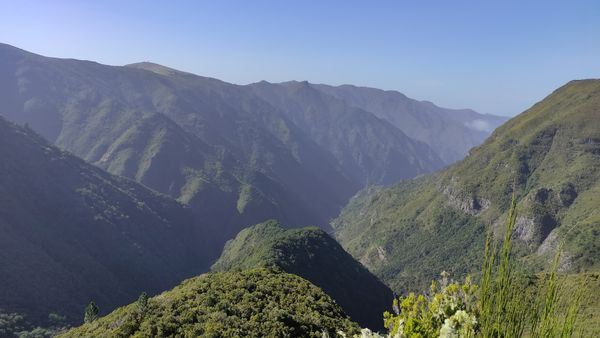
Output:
(71, 233)
(311, 254)
(449, 132)
(251, 303)
(550, 154)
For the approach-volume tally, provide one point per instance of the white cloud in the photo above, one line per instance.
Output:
(480, 125)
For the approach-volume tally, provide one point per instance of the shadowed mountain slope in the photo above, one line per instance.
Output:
(72, 233)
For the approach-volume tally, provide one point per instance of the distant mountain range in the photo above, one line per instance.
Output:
(549, 156)
(237, 155)
(451, 133)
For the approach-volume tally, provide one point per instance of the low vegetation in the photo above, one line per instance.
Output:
(252, 303)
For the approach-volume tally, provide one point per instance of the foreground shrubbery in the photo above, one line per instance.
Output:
(251, 303)
(506, 304)
(449, 310)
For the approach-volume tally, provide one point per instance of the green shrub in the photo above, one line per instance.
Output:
(91, 313)
(448, 309)
(506, 304)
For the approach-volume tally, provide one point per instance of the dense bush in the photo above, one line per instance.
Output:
(251, 303)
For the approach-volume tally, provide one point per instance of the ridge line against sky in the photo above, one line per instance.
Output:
(496, 58)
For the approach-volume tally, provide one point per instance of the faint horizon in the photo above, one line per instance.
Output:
(493, 58)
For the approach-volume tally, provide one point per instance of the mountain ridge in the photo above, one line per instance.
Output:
(450, 132)
(102, 111)
(336, 126)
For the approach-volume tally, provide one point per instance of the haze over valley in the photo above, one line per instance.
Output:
(249, 183)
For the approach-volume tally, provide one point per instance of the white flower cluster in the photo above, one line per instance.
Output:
(459, 325)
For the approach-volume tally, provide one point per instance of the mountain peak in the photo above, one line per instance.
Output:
(156, 68)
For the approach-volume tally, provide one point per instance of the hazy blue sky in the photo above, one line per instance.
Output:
(496, 58)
